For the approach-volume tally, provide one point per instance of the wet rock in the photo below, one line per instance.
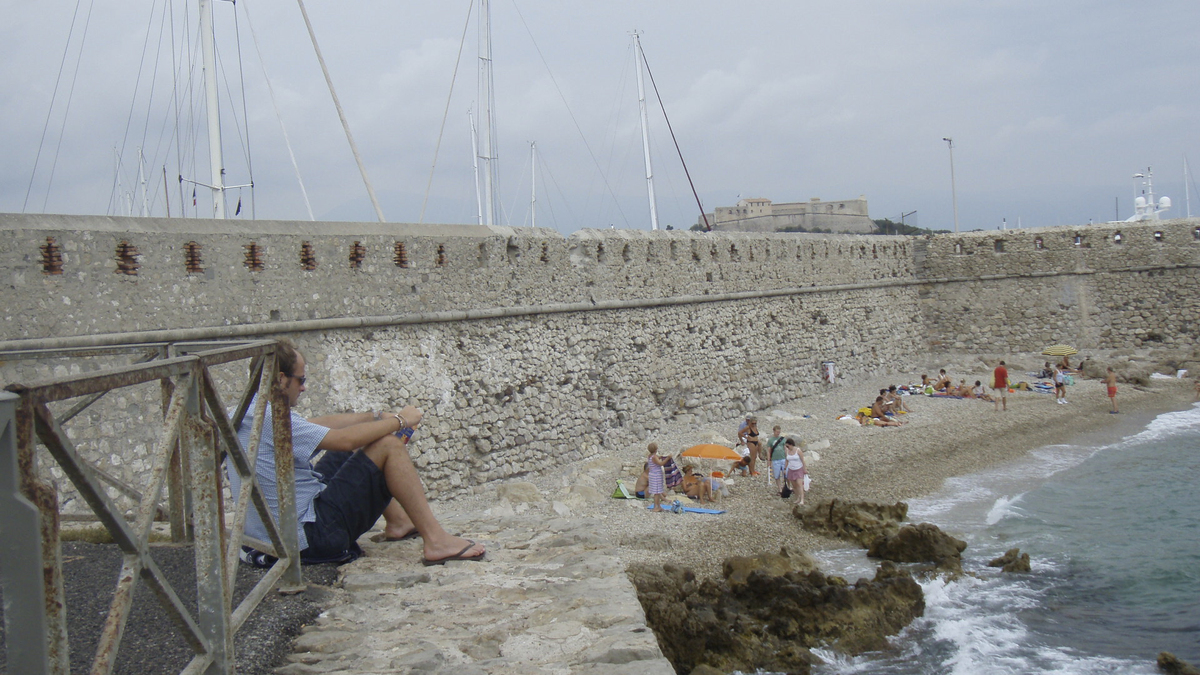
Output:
(923, 542)
(1173, 665)
(705, 669)
(859, 522)
(1012, 561)
(770, 622)
(737, 569)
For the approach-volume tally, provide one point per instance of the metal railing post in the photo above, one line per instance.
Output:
(28, 629)
(208, 526)
(285, 484)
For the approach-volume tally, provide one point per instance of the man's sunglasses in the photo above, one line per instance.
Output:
(300, 379)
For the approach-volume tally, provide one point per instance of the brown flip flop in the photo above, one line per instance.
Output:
(457, 556)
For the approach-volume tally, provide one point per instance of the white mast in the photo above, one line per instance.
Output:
(215, 160)
(532, 183)
(1187, 187)
(475, 166)
(637, 52)
(142, 183)
(487, 100)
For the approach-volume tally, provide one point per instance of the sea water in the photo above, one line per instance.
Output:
(1112, 527)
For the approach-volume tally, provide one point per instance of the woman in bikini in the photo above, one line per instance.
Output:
(749, 435)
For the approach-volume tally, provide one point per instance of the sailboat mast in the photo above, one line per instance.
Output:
(475, 166)
(487, 100)
(216, 162)
(1187, 192)
(637, 51)
(532, 183)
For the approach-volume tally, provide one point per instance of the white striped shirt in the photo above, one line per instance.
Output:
(306, 436)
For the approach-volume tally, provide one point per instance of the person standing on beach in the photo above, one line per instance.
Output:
(778, 454)
(1000, 383)
(1060, 386)
(795, 469)
(1111, 381)
(748, 434)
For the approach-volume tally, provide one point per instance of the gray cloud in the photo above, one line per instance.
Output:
(1052, 106)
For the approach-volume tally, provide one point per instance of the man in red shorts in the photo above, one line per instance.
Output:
(1000, 384)
(1111, 381)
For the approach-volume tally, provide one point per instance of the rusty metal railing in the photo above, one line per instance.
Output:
(197, 437)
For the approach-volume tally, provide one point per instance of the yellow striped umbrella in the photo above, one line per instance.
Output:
(1060, 350)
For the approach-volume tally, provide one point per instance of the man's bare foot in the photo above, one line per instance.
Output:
(452, 548)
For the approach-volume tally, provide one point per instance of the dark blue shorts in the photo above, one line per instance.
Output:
(354, 498)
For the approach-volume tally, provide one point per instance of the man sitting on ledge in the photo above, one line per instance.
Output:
(366, 472)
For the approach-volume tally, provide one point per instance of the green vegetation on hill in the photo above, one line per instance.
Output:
(887, 226)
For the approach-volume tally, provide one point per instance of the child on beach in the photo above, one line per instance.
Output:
(795, 470)
(656, 484)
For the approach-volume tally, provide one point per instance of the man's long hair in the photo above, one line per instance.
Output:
(286, 355)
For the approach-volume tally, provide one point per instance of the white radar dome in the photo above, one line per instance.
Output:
(1164, 203)
(1139, 202)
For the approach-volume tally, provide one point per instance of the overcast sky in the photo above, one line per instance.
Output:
(1052, 105)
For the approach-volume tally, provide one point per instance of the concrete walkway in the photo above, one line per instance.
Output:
(550, 599)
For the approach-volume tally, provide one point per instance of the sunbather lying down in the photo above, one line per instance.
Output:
(866, 421)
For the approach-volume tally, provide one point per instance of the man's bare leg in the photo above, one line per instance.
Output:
(391, 456)
(398, 524)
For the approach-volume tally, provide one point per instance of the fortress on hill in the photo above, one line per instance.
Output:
(527, 348)
(761, 215)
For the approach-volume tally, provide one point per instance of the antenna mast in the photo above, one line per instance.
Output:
(637, 51)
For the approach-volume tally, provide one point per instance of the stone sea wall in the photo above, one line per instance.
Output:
(526, 348)
(1107, 286)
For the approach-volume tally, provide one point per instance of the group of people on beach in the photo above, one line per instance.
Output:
(885, 411)
(787, 468)
(944, 386)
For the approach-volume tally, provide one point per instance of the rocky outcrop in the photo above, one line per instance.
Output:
(1012, 561)
(771, 621)
(1173, 665)
(737, 570)
(859, 522)
(923, 542)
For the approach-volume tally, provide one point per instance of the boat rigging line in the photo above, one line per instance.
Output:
(707, 225)
(571, 113)
(58, 80)
(278, 116)
(446, 113)
(341, 114)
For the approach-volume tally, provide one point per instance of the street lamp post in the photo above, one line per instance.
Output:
(953, 189)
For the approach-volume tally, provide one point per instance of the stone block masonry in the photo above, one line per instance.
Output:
(1108, 286)
(528, 348)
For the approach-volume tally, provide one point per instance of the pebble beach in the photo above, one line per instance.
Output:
(941, 438)
(553, 594)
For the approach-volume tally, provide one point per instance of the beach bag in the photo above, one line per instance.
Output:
(786, 491)
(807, 482)
(622, 492)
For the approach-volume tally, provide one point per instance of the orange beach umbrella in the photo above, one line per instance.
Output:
(711, 451)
